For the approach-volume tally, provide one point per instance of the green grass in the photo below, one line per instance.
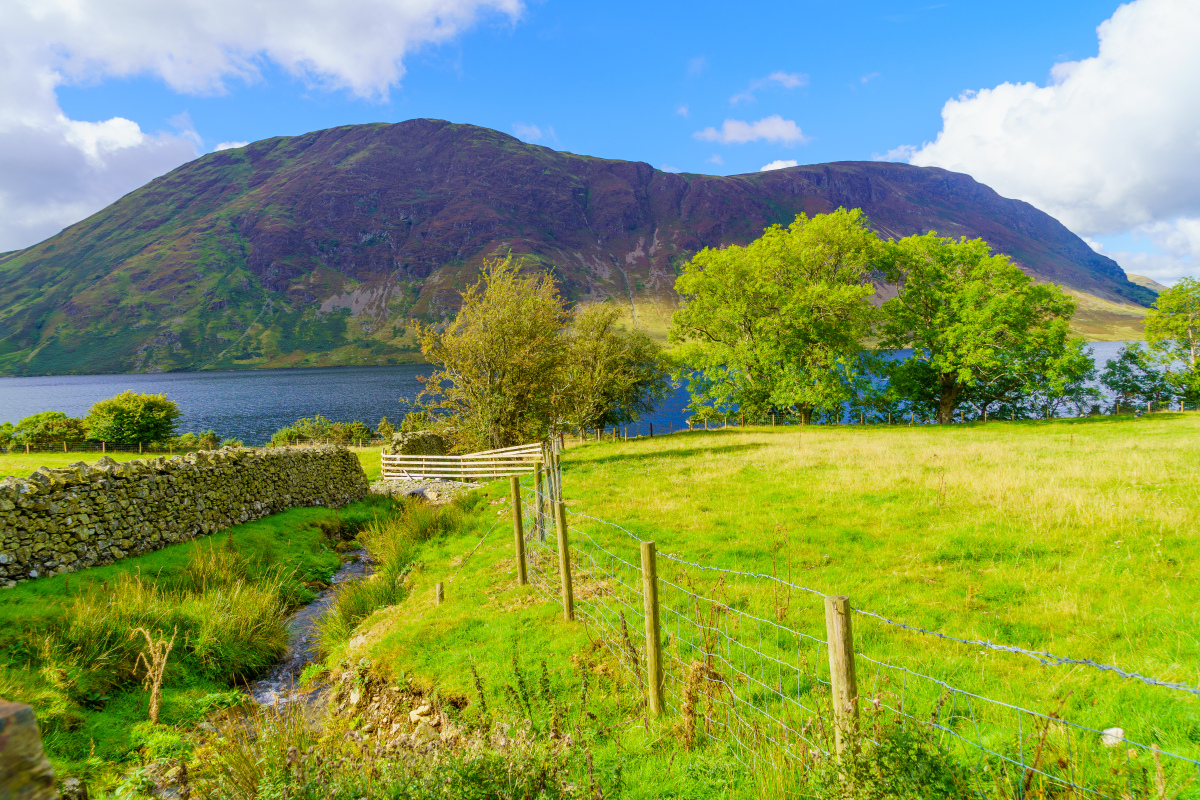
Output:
(1074, 537)
(66, 643)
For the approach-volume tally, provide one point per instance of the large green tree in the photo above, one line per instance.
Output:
(611, 375)
(130, 418)
(48, 427)
(780, 322)
(971, 317)
(1173, 333)
(498, 360)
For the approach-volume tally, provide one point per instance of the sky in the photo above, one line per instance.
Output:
(1089, 110)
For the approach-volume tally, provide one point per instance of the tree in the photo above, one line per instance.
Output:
(610, 375)
(779, 323)
(1173, 333)
(970, 317)
(385, 429)
(130, 418)
(498, 360)
(1134, 378)
(48, 427)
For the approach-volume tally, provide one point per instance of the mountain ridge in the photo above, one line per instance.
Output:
(320, 248)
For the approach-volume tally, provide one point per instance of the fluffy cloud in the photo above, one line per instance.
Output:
(669, 168)
(1111, 144)
(787, 80)
(774, 129)
(229, 146)
(779, 164)
(55, 170)
(715, 158)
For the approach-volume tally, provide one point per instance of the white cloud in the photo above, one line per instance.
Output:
(904, 152)
(870, 76)
(1110, 144)
(696, 66)
(229, 146)
(530, 133)
(669, 168)
(55, 170)
(787, 80)
(715, 158)
(774, 129)
(780, 164)
(682, 110)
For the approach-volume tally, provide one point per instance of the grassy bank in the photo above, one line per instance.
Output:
(69, 645)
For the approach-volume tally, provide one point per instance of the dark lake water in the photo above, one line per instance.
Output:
(252, 404)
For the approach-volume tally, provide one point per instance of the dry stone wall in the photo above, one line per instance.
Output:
(62, 520)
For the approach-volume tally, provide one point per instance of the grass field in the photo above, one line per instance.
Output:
(1073, 537)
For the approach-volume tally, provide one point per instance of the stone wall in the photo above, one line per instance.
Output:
(61, 520)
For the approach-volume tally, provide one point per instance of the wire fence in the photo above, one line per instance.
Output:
(746, 663)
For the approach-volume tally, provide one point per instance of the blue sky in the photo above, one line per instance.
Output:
(609, 79)
(638, 81)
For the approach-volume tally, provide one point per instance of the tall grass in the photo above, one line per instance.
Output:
(392, 544)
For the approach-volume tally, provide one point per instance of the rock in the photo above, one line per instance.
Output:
(418, 443)
(355, 696)
(74, 789)
(25, 773)
(1112, 737)
(424, 732)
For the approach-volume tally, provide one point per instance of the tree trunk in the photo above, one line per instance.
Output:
(806, 413)
(948, 383)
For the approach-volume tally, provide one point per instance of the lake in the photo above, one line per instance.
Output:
(252, 404)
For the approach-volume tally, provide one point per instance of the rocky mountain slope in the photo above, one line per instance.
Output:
(318, 249)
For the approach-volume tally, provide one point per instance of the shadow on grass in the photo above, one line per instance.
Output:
(617, 458)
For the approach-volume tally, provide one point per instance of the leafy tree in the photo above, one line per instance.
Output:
(415, 421)
(232, 443)
(130, 418)
(498, 360)
(47, 427)
(386, 429)
(778, 323)
(971, 317)
(1173, 333)
(6, 434)
(1134, 378)
(611, 375)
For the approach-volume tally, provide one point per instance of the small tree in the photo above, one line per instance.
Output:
(498, 360)
(611, 375)
(130, 418)
(970, 317)
(386, 429)
(1173, 333)
(778, 323)
(1134, 378)
(48, 427)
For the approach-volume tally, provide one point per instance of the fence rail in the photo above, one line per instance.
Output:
(763, 682)
(488, 464)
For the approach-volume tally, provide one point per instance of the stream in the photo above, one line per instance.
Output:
(278, 686)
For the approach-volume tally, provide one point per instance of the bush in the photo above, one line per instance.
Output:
(130, 418)
(48, 427)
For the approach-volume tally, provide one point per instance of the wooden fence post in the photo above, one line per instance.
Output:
(564, 560)
(539, 488)
(841, 671)
(654, 670)
(440, 593)
(139, 448)
(652, 424)
(514, 483)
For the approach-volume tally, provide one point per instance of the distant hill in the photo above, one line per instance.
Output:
(1148, 283)
(318, 249)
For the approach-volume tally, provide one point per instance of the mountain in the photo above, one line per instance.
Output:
(318, 249)
(1149, 283)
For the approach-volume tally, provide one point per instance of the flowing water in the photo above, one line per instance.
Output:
(278, 685)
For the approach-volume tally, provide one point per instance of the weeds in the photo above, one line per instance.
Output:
(154, 660)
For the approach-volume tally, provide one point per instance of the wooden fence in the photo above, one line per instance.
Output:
(487, 465)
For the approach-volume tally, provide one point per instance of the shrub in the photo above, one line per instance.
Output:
(46, 427)
(130, 418)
